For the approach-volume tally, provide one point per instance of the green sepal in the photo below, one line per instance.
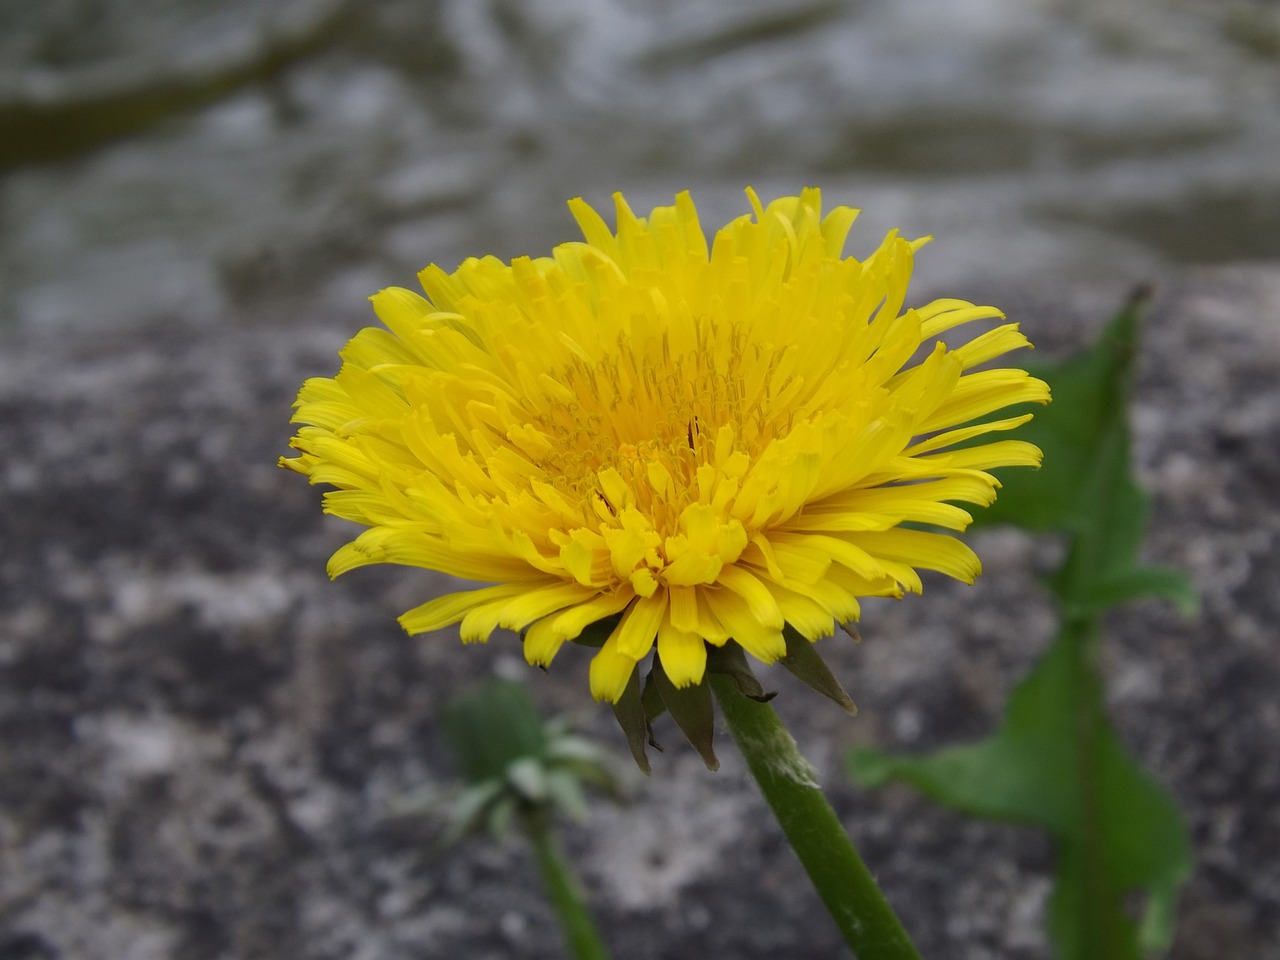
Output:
(595, 634)
(472, 807)
(564, 790)
(583, 758)
(630, 714)
(804, 663)
(731, 661)
(691, 709)
(651, 699)
(501, 814)
(528, 778)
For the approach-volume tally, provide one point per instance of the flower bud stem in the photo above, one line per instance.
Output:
(846, 886)
(579, 930)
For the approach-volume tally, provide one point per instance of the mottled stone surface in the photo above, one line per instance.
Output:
(206, 749)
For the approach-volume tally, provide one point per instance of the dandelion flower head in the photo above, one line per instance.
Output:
(689, 442)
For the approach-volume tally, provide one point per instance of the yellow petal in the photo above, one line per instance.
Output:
(683, 655)
(683, 605)
(610, 671)
(762, 641)
(760, 600)
(530, 605)
(542, 642)
(919, 548)
(452, 607)
(571, 622)
(639, 625)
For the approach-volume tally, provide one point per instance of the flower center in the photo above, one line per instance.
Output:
(655, 419)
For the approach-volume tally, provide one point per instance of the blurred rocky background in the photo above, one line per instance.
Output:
(209, 751)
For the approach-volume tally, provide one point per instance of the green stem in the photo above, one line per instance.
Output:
(1097, 923)
(846, 886)
(566, 897)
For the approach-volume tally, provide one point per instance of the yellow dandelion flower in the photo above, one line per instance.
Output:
(688, 442)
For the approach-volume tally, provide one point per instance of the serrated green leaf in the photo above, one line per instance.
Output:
(1136, 583)
(1056, 764)
(1085, 488)
(1089, 391)
(1024, 773)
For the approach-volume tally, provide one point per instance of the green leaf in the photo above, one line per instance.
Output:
(1090, 392)
(1135, 583)
(1085, 488)
(1056, 764)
